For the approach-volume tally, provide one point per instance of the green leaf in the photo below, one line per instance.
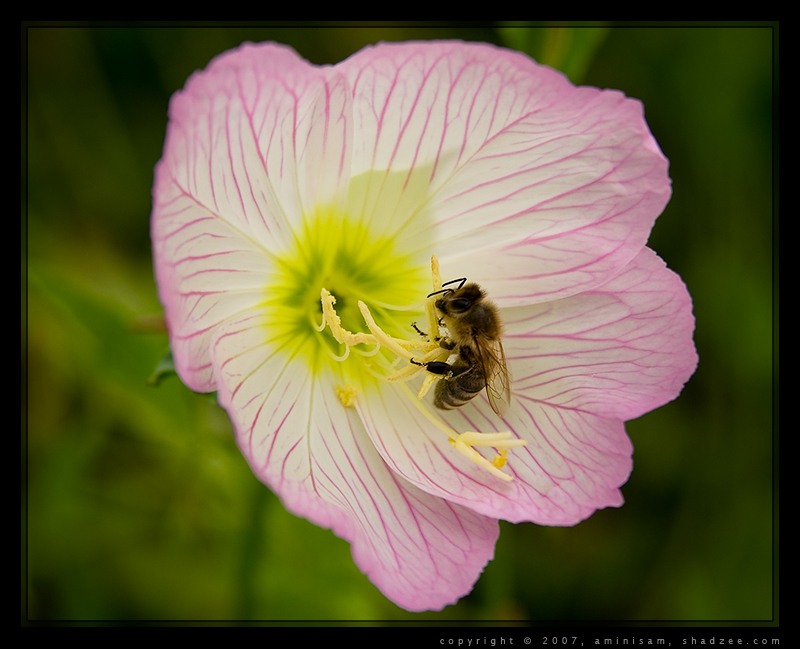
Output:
(164, 368)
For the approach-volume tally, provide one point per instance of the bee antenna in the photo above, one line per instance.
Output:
(444, 290)
(453, 281)
(450, 290)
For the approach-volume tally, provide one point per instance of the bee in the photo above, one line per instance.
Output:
(478, 360)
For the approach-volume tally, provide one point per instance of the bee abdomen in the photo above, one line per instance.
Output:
(455, 392)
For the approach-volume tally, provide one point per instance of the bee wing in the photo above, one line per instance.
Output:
(492, 359)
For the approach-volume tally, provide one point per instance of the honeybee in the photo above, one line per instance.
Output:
(474, 330)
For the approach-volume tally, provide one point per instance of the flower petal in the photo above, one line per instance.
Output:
(581, 367)
(573, 465)
(620, 350)
(548, 188)
(247, 137)
(421, 551)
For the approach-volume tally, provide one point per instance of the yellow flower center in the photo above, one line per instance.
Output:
(339, 253)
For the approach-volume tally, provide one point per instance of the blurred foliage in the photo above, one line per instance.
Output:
(137, 503)
(571, 49)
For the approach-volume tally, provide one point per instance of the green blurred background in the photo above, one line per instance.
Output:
(138, 505)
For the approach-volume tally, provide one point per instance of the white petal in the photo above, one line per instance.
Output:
(255, 141)
(421, 551)
(618, 351)
(547, 188)
(574, 464)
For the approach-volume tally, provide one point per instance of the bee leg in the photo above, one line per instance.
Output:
(418, 330)
(445, 369)
(436, 367)
(426, 365)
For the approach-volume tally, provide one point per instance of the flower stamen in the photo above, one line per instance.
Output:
(380, 336)
(343, 357)
(321, 325)
(464, 442)
(427, 384)
(335, 323)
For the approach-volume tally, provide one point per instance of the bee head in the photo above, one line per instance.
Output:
(460, 300)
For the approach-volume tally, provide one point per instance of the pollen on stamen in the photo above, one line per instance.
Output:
(500, 460)
(347, 394)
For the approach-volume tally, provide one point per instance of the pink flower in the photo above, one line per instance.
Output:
(280, 179)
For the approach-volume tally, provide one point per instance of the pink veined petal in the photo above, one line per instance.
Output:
(573, 465)
(581, 367)
(620, 350)
(548, 188)
(419, 550)
(253, 141)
